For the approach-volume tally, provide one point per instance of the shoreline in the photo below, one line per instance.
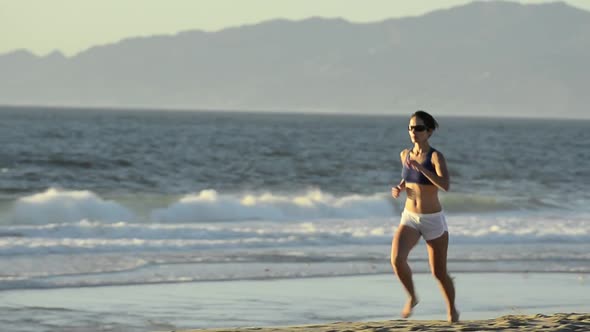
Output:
(547, 323)
(582, 275)
(287, 304)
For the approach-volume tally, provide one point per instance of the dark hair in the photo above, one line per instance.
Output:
(428, 119)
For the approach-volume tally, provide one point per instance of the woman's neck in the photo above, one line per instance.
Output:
(420, 148)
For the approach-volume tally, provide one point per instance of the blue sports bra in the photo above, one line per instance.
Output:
(413, 176)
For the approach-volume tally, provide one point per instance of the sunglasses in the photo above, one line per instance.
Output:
(418, 128)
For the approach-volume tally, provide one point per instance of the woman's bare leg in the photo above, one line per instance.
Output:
(437, 256)
(404, 240)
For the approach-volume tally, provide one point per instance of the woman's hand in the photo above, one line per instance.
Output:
(395, 191)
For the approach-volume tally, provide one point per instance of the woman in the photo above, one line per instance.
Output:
(424, 173)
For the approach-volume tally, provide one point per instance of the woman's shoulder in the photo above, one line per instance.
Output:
(404, 153)
(437, 155)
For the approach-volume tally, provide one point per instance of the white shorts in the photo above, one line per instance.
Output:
(430, 225)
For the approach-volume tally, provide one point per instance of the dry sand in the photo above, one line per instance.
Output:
(556, 322)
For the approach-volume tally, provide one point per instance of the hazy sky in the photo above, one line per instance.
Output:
(71, 26)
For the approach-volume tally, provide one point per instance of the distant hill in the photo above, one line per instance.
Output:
(484, 58)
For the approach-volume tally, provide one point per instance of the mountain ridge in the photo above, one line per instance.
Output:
(482, 57)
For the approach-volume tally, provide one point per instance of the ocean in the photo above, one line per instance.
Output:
(104, 198)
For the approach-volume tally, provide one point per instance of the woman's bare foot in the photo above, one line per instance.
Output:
(453, 317)
(410, 304)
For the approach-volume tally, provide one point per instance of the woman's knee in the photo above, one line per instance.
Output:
(439, 273)
(398, 260)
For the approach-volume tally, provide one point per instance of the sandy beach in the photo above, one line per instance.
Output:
(546, 323)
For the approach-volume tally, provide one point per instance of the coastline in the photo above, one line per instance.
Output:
(365, 302)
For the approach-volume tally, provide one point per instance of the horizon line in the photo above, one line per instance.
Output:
(278, 111)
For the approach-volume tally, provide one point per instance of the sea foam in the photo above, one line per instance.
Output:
(56, 205)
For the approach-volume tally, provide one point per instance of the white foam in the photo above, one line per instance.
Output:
(60, 205)
(208, 205)
(55, 205)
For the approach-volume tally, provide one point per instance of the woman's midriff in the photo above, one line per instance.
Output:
(422, 198)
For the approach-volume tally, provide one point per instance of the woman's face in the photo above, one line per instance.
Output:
(417, 130)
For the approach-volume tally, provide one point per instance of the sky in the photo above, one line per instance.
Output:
(71, 26)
